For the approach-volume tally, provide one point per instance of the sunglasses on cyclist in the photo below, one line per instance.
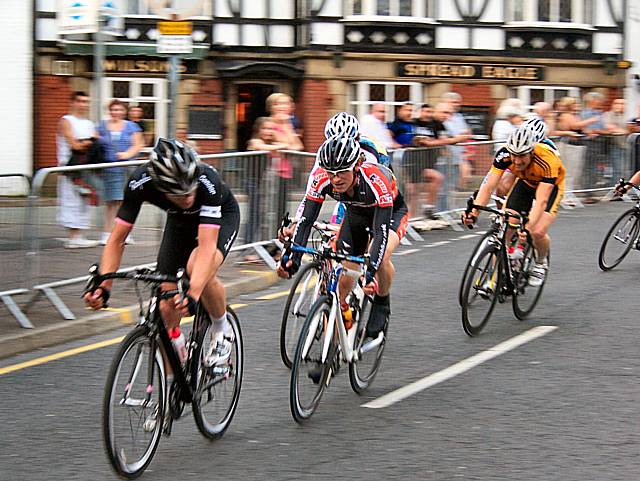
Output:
(334, 173)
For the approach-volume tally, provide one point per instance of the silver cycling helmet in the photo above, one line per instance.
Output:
(342, 123)
(172, 166)
(338, 153)
(537, 127)
(521, 141)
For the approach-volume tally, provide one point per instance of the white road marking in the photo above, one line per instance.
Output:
(468, 236)
(458, 368)
(408, 251)
(441, 243)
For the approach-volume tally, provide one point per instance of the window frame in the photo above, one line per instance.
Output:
(360, 106)
(523, 92)
(422, 11)
(581, 14)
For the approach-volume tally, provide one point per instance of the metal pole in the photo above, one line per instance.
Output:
(174, 78)
(98, 61)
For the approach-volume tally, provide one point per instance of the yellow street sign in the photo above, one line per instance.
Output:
(175, 28)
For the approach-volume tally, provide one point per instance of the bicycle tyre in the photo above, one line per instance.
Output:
(299, 412)
(289, 332)
(215, 428)
(117, 457)
(620, 223)
(360, 383)
(522, 280)
(476, 249)
(483, 262)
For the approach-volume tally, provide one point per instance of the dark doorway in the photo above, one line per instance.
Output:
(250, 105)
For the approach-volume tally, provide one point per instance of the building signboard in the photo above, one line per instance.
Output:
(438, 70)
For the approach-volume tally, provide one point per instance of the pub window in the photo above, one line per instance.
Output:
(553, 11)
(141, 7)
(391, 8)
(530, 95)
(364, 94)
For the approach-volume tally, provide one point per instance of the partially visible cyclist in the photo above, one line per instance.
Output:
(374, 208)
(202, 222)
(539, 176)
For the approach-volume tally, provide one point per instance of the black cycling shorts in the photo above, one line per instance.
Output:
(522, 196)
(180, 238)
(353, 236)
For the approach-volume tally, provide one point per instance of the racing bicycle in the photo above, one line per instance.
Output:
(324, 343)
(493, 276)
(622, 236)
(139, 405)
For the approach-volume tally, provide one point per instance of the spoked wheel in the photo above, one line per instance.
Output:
(476, 250)
(363, 371)
(527, 296)
(217, 388)
(133, 405)
(481, 290)
(309, 375)
(619, 240)
(301, 297)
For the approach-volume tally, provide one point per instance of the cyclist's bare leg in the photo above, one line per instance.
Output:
(387, 271)
(346, 282)
(540, 236)
(213, 296)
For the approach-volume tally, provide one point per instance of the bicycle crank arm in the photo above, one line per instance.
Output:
(371, 344)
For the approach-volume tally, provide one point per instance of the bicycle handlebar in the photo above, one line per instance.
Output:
(327, 253)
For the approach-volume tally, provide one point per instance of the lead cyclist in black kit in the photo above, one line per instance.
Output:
(370, 193)
(202, 222)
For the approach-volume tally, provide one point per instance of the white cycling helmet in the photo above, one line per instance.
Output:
(521, 141)
(338, 153)
(537, 127)
(342, 123)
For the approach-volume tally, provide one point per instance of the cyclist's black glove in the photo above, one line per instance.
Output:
(105, 294)
(295, 263)
(191, 305)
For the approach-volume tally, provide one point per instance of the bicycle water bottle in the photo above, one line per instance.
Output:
(515, 253)
(347, 315)
(179, 343)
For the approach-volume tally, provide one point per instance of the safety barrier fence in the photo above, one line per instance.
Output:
(266, 184)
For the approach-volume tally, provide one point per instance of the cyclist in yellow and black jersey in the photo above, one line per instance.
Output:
(540, 176)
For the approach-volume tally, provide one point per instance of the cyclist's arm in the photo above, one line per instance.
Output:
(381, 227)
(310, 211)
(489, 184)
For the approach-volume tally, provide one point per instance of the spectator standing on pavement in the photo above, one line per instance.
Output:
(616, 126)
(135, 115)
(508, 117)
(457, 126)
(122, 140)
(263, 138)
(597, 146)
(402, 128)
(280, 107)
(373, 125)
(75, 133)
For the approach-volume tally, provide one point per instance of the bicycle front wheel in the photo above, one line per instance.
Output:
(309, 375)
(301, 297)
(481, 290)
(133, 405)
(217, 386)
(478, 248)
(619, 240)
(527, 296)
(363, 371)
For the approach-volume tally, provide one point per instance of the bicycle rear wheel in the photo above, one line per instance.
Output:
(527, 296)
(217, 387)
(363, 371)
(309, 375)
(131, 423)
(480, 293)
(619, 240)
(301, 298)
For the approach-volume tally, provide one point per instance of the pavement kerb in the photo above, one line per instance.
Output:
(101, 322)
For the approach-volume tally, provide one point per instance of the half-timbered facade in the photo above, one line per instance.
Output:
(331, 55)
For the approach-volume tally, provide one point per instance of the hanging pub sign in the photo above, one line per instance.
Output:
(477, 71)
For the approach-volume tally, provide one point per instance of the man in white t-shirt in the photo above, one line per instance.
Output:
(75, 133)
(373, 126)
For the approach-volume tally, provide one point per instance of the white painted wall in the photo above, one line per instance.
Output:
(46, 29)
(488, 39)
(282, 8)
(332, 8)
(494, 11)
(15, 89)
(607, 43)
(253, 35)
(327, 34)
(226, 34)
(602, 15)
(281, 36)
(452, 37)
(447, 10)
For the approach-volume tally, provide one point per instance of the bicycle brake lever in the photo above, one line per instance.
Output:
(183, 284)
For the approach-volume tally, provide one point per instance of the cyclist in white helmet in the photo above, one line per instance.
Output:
(540, 175)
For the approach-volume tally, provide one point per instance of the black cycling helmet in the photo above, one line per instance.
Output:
(338, 153)
(172, 166)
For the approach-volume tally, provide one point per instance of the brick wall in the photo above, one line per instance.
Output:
(52, 102)
(611, 95)
(475, 95)
(210, 94)
(313, 106)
